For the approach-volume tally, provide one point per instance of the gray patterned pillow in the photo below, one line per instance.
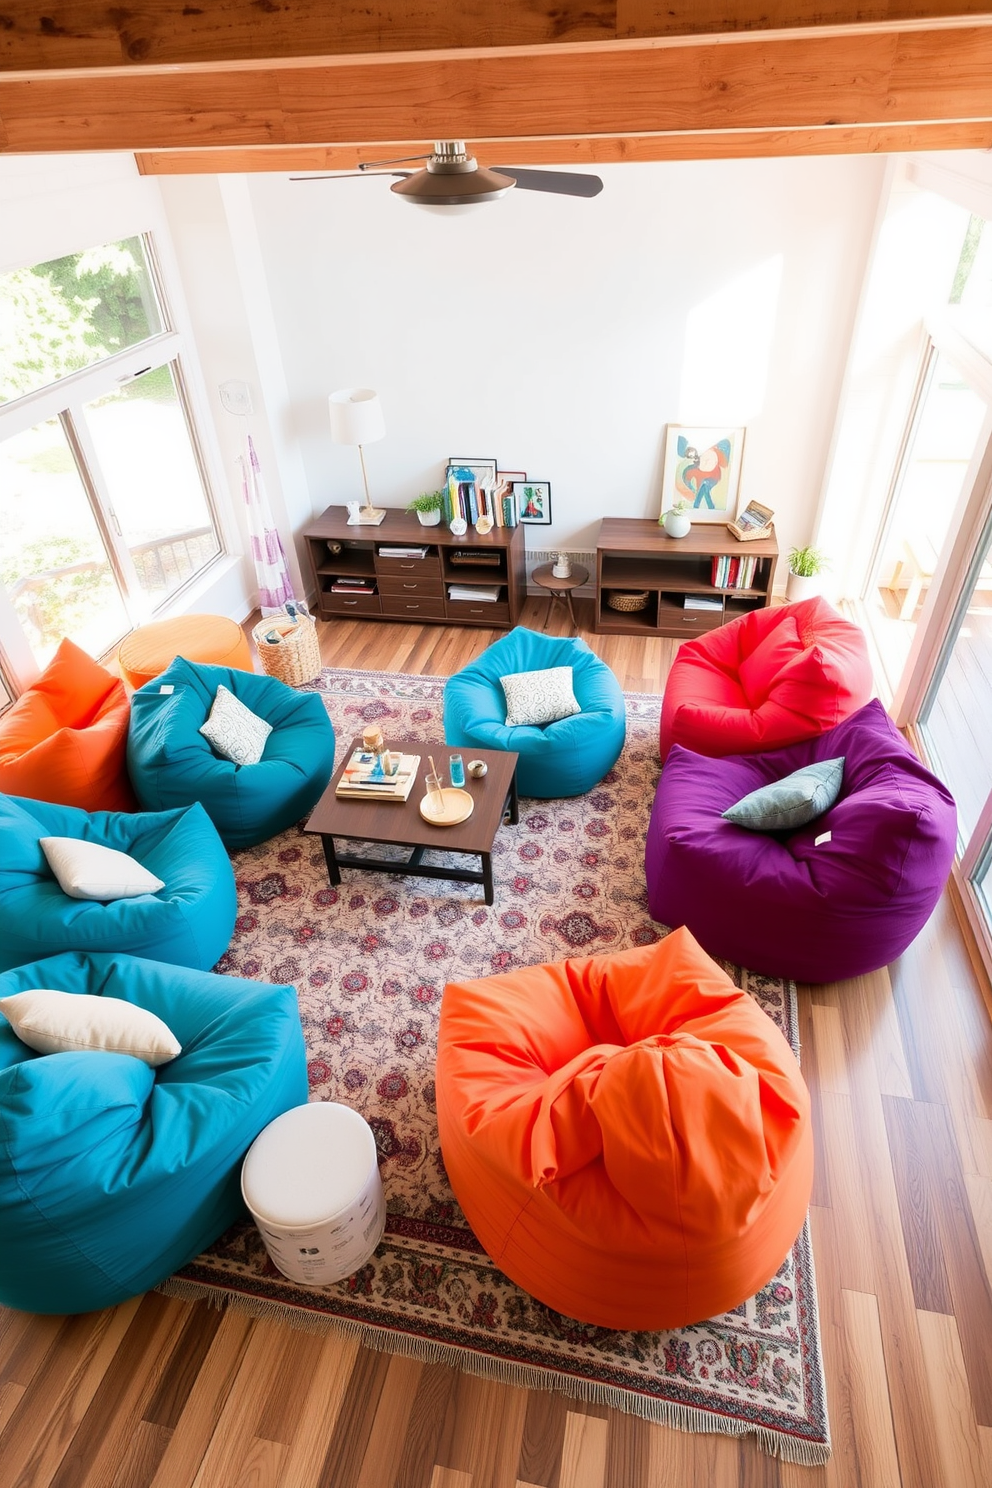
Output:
(539, 697)
(791, 802)
(235, 732)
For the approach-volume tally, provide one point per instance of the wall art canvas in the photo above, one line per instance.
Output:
(702, 469)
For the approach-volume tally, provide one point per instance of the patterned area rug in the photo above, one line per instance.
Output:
(369, 961)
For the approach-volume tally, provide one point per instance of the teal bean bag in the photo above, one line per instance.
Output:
(171, 763)
(188, 922)
(112, 1173)
(565, 758)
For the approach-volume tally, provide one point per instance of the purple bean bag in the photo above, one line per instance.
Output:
(781, 903)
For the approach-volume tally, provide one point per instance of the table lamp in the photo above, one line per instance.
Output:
(356, 418)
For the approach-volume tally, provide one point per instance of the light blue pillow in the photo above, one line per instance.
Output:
(791, 802)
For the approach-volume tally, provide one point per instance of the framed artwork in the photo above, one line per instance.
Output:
(482, 472)
(702, 468)
(533, 502)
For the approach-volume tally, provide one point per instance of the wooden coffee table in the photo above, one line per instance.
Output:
(401, 824)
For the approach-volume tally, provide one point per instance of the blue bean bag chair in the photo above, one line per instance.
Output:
(565, 758)
(171, 763)
(113, 1173)
(189, 922)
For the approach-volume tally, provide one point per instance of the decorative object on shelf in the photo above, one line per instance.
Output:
(484, 525)
(562, 567)
(702, 467)
(627, 603)
(753, 522)
(805, 567)
(533, 502)
(676, 520)
(428, 506)
(356, 418)
(458, 526)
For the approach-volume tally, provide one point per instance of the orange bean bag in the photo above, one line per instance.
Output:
(65, 738)
(628, 1135)
(770, 678)
(148, 651)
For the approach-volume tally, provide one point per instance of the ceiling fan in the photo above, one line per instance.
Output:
(454, 178)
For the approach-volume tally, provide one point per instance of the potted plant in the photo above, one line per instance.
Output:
(805, 567)
(428, 506)
(676, 520)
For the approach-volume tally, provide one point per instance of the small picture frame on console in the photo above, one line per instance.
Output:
(533, 502)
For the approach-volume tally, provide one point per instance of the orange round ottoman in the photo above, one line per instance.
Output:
(628, 1136)
(147, 651)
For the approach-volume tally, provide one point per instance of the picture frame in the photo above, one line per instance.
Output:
(533, 502)
(465, 480)
(483, 472)
(702, 469)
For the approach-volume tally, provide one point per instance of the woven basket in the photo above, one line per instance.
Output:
(295, 658)
(619, 601)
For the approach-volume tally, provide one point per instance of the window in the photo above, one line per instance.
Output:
(104, 504)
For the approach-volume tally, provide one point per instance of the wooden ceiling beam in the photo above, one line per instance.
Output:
(714, 145)
(816, 79)
(89, 33)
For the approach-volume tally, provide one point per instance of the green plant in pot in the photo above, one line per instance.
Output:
(428, 506)
(805, 568)
(676, 520)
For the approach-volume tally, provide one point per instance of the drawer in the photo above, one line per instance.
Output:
(412, 588)
(483, 613)
(406, 568)
(412, 609)
(350, 604)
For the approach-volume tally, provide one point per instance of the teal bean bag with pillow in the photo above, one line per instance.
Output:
(188, 920)
(114, 1171)
(172, 763)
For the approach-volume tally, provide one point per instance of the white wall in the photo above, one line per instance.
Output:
(561, 335)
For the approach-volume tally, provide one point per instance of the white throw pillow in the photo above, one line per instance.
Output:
(539, 697)
(60, 1022)
(87, 870)
(234, 730)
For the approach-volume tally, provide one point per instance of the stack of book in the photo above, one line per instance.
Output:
(394, 551)
(733, 572)
(359, 783)
(488, 592)
(706, 602)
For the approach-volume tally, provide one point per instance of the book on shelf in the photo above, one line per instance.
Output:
(731, 572)
(366, 588)
(487, 592)
(395, 551)
(482, 556)
(358, 783)
(707, 602)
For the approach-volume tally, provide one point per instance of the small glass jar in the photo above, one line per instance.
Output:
(456, 771)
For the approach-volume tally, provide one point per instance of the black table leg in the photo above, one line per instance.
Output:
(330, 858)
(487, 877)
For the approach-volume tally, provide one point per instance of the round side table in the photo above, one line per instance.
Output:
(560, 589)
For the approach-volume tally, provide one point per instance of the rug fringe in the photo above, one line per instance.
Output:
(519, 1376)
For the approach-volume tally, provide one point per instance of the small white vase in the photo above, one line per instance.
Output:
(429, 519)
(677, 523)
(801, 586)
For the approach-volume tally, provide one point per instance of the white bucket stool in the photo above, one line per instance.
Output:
(311, 1182)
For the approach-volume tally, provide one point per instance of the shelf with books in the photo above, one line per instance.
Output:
(406, 572)
(678, 576)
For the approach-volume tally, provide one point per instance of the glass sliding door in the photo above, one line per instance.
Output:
(942, 433)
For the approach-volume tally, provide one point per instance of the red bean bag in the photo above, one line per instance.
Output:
(628, 1135)
(64, 740)
(772, 677)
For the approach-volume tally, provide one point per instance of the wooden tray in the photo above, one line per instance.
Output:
(458, 807)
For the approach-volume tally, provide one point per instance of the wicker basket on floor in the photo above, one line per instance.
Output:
(295, 657)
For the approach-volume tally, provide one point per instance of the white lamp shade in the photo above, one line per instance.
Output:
(356, 416)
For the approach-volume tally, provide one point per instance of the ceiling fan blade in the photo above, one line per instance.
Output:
(350, 175)
(563, 183)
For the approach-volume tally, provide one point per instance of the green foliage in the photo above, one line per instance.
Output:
(427, 501)
(57, 317)
(806, 562)
(66, 603)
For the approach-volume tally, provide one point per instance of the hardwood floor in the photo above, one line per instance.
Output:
(160, 1393)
